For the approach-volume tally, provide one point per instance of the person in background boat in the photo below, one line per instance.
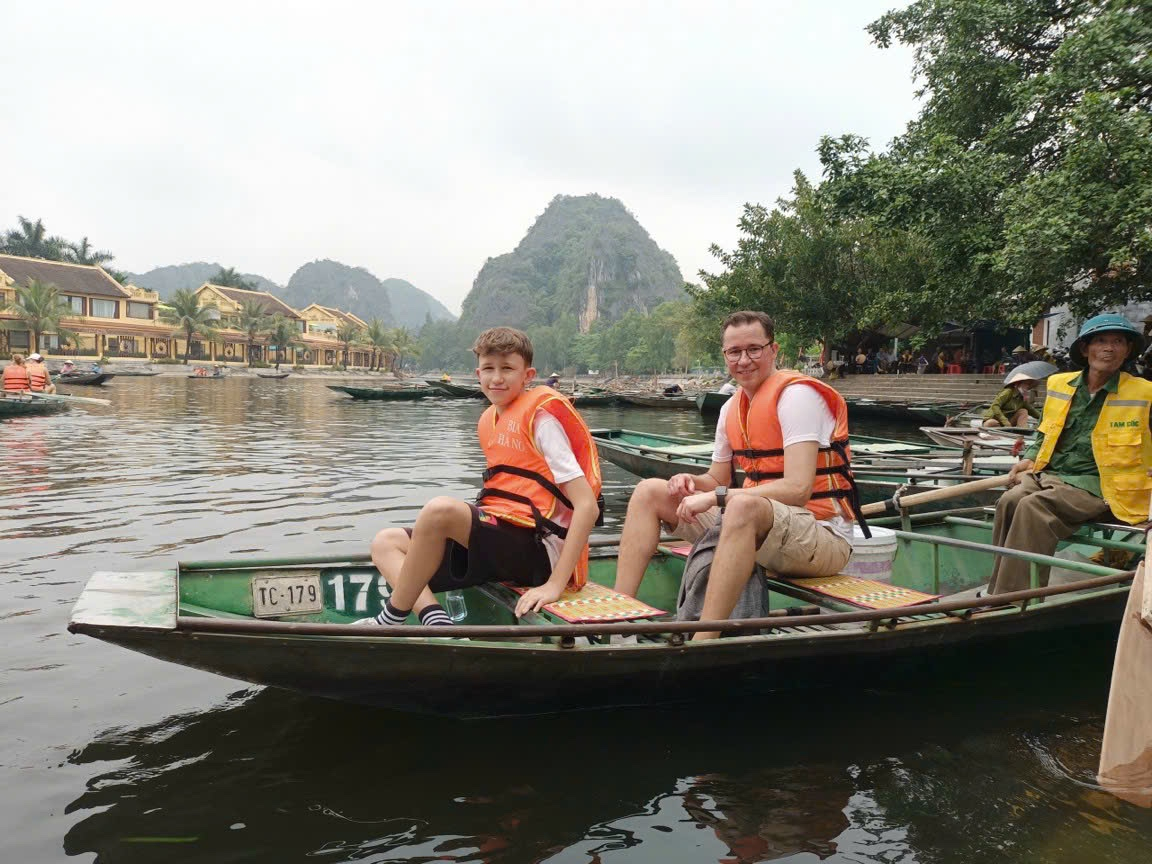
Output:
(779, 428)
(1092, 453)
(95, 367)
(15, 377)
(39, 381)
(553, 379)
(446, 378)
(67, 367)
(1012, 405)
(532, 519)
(674, 390)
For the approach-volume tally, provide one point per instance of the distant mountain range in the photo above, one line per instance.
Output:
(585, 257)
(394, 301)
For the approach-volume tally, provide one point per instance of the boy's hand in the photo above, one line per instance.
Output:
(534, 599)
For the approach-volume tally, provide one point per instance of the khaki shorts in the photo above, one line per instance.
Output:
(796, 545)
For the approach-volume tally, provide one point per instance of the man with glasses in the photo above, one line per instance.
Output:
(789, 434)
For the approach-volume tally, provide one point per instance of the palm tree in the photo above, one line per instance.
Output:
(39, 308)
(32, 241)
(347, 333)
(253, 321)
(83, 253)
(403, 342)
(184, 312)
(380, 338)
(227, 277)
(283, 334)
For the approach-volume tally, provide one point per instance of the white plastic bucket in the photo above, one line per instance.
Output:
(872, 557)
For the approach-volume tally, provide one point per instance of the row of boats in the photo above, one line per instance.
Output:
(930, 623)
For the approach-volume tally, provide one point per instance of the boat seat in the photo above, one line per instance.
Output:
(684, 449)
(592, 604)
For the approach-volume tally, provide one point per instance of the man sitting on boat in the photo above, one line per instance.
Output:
(39, 381)
(532, 519)
(789, 434)
(1091, 455)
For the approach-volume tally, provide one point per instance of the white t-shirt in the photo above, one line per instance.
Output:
(553, 444)
(804, 416)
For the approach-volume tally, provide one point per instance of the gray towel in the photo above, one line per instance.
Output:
(753, 602)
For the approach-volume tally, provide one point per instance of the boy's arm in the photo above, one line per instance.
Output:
(584, 514)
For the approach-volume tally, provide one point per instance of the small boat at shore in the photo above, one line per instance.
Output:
(27, 406)
(590, 400)
(677, 402)
(285, 623)
(392, 394)
(273, 374)
(930, 411)
(458, 391)
(83, 378)
(136, 373)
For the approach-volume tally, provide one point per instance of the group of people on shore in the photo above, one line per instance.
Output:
(788, 433)
(28, 375)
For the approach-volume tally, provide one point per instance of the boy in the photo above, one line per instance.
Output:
(532, 519)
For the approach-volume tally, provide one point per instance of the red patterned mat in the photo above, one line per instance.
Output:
(866, 593)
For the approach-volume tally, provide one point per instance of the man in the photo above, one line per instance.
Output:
(788, 432)
(1092, 453)
(39, 379)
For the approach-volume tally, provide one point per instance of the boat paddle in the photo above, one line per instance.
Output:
(62, 397)
(941, 494)
(1126, 751)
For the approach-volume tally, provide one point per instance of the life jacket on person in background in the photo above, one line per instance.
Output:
(38, 378)
(753, 430)
(519, 487)
(1121, 442)
(16, 378)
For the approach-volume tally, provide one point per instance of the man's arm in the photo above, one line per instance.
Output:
(585, 511)
(794, 488)
(682, 485)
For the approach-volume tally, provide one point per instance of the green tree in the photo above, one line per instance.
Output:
(227, 277)
(39, 308)
(253, 322)
(184, 312)
(284, 334)
(32, 241)
(83, 253)
(1025, 180)
(404, 344)
(379, 338)
(347, 333)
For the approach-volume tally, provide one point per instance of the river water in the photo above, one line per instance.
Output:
(114, 757)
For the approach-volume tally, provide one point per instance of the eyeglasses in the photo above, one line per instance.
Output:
(754, 352)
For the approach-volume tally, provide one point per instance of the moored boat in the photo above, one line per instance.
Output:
(589, 400)
(664, 403)
(907, 410)
(272, 374)
(394, 394)
(459, 391)
(709, 403)
(285, 623)
(25, 406)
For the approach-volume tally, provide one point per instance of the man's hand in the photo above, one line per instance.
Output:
(1019, 468)
(534, 599)
(694, 505)
(681, 485)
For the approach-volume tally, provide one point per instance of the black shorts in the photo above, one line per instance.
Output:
(497, 551)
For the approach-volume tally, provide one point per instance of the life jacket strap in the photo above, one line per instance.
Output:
(543, 481)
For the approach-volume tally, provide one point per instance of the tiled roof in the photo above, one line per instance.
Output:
(269, 303)
(68, 278)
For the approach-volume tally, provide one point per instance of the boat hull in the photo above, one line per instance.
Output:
(15, 407)
(386, 394)
(660, 403)
(84, 378)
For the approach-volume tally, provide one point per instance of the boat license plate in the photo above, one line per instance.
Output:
(273, 596)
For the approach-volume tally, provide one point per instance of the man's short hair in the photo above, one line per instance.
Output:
(504, 340)
(747, 316)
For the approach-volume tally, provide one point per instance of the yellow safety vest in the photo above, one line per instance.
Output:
(1121, 441)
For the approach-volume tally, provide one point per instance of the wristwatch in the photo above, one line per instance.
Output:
(722, 497)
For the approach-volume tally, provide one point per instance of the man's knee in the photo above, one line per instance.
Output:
(748, 511)
(650, 492)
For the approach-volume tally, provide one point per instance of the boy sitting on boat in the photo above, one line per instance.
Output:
(532, 519)
(789, 433)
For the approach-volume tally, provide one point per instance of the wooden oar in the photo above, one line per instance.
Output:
(941, 494)
(61, 397)
(1126, 751)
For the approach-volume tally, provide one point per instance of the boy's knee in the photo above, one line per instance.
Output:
(387, 540)
(442, 513)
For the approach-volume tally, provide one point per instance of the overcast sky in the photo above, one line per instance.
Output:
(417, 139)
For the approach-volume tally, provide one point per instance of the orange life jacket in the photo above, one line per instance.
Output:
(16, 379)
(37, 375)
(753, 430)
(519, 487)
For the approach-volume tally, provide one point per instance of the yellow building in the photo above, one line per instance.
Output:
(110, 319)
(122, 321)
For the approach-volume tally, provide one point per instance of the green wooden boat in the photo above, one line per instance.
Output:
(709, 403)
(881, 465)
(662, 403)
(24, 406)
(84, 378)
(921, 411)
(458, 391)
(234, 618)
(590, 400)
(394, 394)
